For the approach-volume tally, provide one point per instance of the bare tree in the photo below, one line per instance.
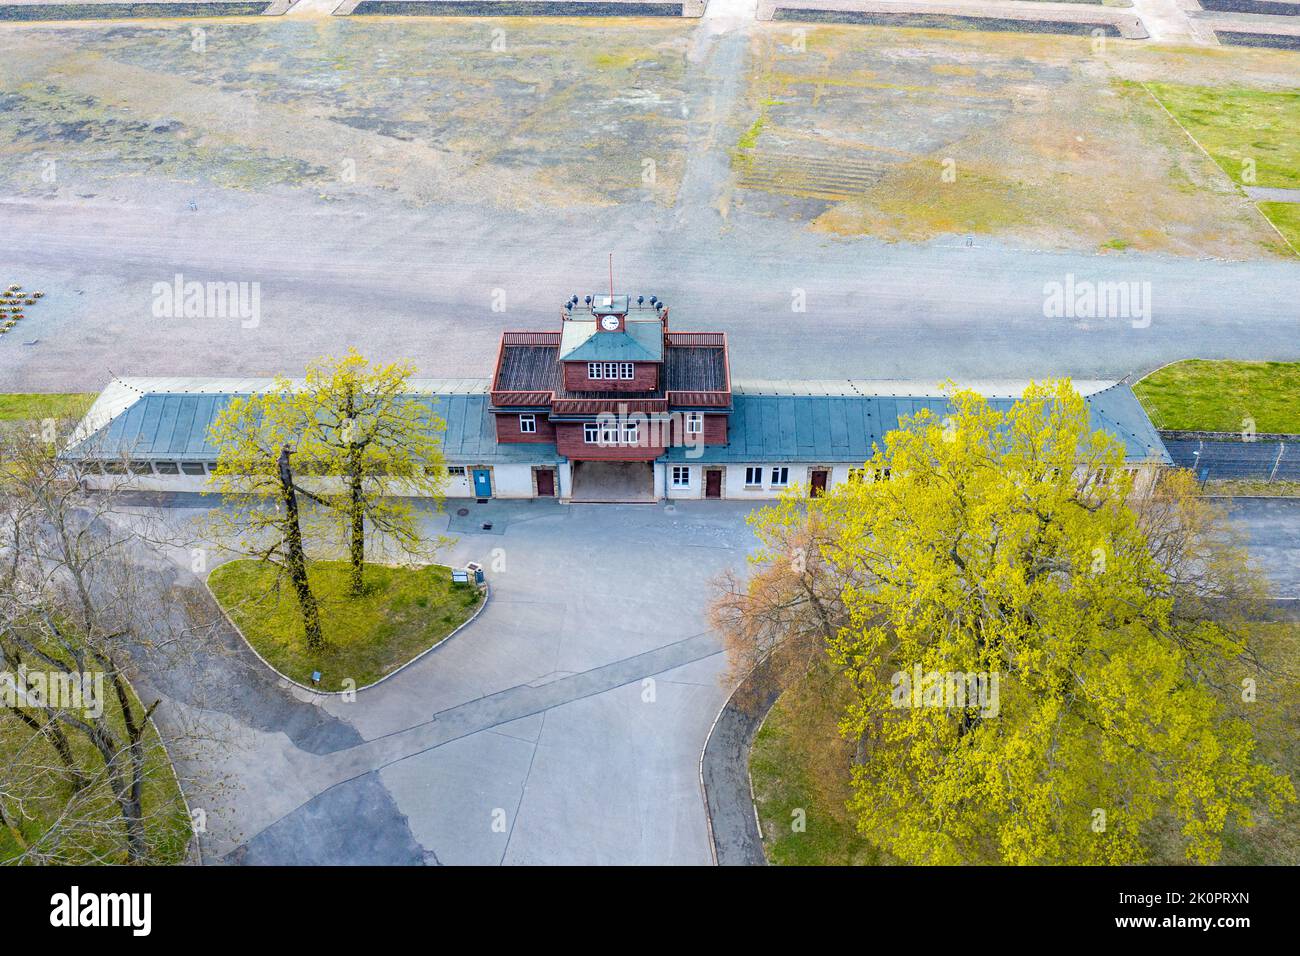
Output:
(84, 772)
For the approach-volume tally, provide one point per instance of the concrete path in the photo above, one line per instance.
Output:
(1272, 194)
(564, 726)
(307, 9)
(1167, 21)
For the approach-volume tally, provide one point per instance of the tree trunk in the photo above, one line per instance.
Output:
(356, 504)
(357, 548)
(296, 559)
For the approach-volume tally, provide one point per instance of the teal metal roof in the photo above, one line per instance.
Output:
(843, 428)
(162, 426)
(640, 342)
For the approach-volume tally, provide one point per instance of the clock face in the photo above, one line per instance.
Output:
(609, 323)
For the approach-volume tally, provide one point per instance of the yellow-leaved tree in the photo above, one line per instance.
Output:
(379, 445)
(1042, 663)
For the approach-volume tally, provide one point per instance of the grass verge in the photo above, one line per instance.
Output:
(402, 613)
(1286, 216)
(1254, 488)
(33, 406)
(1202, 395)
(799, 766)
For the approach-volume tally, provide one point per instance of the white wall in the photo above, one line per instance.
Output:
(512, 481)
(733, 480)
(516, 481)
(508, 481)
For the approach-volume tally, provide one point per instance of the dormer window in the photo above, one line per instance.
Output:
(611, 371)
(527, 424)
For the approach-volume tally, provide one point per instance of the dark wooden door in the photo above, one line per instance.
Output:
(713, 483)
(546, 483)
(819, 477)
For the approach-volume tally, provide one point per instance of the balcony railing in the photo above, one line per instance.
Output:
(699, 399)
(532, 399)
(697, 339)
(530, 338)
(594, 406)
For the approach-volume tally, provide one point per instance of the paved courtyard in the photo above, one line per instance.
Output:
(563, 726)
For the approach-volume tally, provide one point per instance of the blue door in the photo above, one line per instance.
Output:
(482, 483)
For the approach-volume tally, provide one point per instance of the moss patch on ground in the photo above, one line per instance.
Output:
(34, 406)
(1204, 395)
(402, 613)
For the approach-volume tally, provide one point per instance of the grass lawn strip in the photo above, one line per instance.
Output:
(403, 612)
(34, 406)
(1201, 395)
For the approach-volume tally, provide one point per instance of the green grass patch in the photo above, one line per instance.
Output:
(1202, 395)
(799, 766)
(403, 612)
(1286, 216)
(1239, 127)
(33, 406)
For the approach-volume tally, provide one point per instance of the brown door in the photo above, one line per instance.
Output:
(713, 483)
(546, 483)
(819, 477)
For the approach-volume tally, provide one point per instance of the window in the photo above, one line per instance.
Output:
(166, 467)
(140, 468)
(527, 424)
(191, 468)
(456, 471)
(681, 476)
(780, 476)
(611, 433)
(694, 423)
(753, 477)
(857, 474)
(880, 474)
(611, 370)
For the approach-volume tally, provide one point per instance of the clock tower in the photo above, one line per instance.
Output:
(610, 312)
